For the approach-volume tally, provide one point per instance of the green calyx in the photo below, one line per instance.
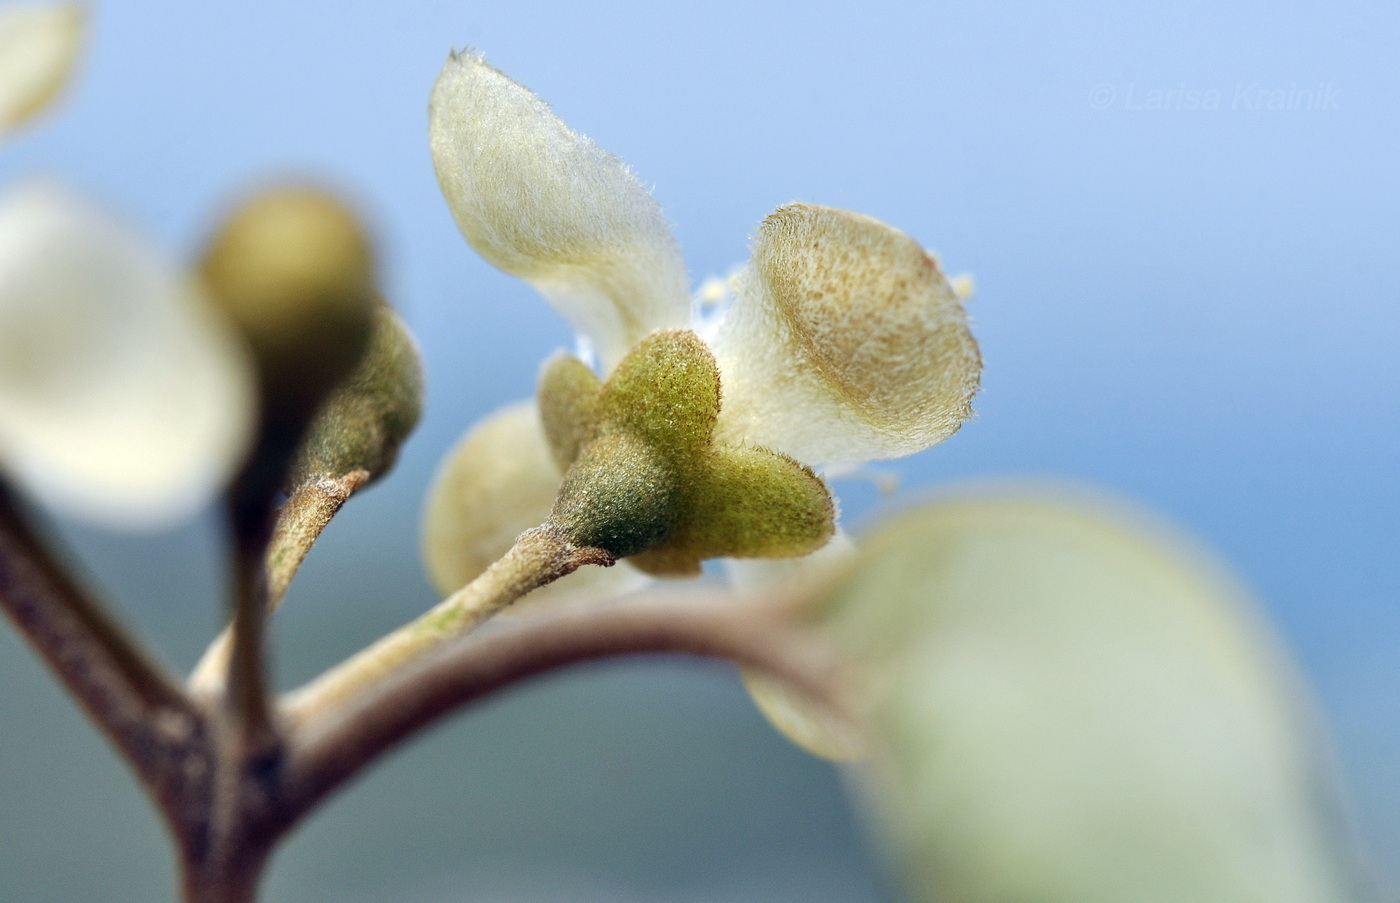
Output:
(366, 419)
(644, 478)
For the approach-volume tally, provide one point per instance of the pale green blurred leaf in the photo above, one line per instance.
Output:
(1067, 706)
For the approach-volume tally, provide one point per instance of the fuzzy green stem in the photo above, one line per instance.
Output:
(307, 511)
(539, 556)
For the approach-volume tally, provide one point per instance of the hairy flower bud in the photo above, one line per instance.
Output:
(363, 423)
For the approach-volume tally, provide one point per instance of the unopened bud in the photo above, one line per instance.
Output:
(293, 268)
(363, 423)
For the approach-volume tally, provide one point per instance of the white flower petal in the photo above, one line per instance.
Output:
(122, 397)
(806, 723)
(39, 45)
(845, 343)
(543, 202)
(1068, 707)
(498, 482)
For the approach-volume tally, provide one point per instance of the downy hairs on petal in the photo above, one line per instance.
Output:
(542, 202)
(845, 342)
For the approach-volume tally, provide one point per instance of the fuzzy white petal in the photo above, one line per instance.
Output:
(496, 483)
(39, 45)
(543, 202)
(845, 342)
(123, 398)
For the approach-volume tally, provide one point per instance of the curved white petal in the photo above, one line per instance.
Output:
(122, 397)
(1065, 706)
(543, 202)
(845, 342)
(39, 45)
(495, 484)
(806, 723)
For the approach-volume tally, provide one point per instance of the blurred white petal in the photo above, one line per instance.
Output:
(122, 397)
(495, 484)
(39, 44)
(1067, 707)
(806, 723)
(845, 343)
(543, 202)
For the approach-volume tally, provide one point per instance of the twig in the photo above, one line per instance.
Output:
(140, 708)
(300, 520)
(538, 557)
(334, 740)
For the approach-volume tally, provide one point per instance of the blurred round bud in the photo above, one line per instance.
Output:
(294, 270)
(39, 46)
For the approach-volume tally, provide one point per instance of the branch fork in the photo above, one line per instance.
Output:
(232, 769)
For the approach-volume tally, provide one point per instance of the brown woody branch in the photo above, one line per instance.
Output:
(329, 747)
(140, 708)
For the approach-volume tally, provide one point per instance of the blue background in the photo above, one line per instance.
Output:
(1194, 308)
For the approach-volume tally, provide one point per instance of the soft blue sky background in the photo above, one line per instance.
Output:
(1194, 308)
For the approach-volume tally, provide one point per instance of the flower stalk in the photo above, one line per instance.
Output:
(540, 556)
(300, 520)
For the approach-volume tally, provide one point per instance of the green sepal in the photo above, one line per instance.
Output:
(650, 482)
(667, 391)
(568, 405)
(619, 496)
(743, 503)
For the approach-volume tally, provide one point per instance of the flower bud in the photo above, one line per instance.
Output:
(39, 45)
(363, 423)
(293, 269)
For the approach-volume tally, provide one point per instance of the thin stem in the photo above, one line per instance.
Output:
(142, 710)
(247, 696)
(337, 738)
(539, 556)
(300, 520)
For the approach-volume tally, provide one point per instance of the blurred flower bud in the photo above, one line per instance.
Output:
(294, 270)
(39, 45)
(363, 423)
